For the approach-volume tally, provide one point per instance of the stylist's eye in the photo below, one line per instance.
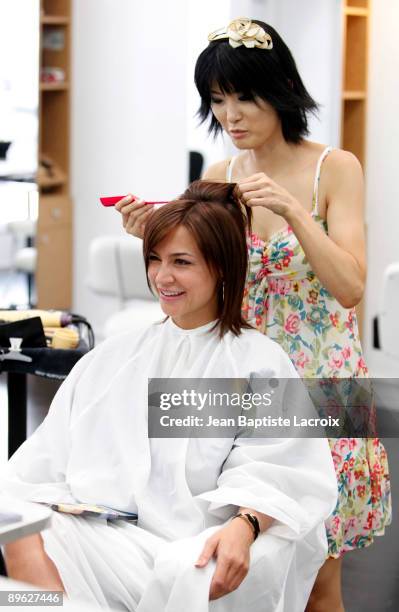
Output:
(182, 262)
(216, 100)
(246, 98)
(153, 257)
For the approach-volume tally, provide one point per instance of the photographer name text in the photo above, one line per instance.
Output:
(243, 420)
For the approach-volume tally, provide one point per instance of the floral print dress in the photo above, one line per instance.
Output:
(285, 300)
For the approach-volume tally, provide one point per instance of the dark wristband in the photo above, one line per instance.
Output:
(252, 520)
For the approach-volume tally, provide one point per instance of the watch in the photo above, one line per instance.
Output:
(252, 520)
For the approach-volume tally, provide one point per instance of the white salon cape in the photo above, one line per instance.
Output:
(93, 447)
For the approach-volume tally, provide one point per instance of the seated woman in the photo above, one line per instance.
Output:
(94, 447)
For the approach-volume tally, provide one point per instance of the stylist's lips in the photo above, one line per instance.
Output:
(238, 133)
(170, 296)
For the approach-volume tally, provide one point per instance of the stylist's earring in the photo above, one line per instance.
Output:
(222, 292)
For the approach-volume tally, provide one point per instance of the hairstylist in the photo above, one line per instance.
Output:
(307, 255)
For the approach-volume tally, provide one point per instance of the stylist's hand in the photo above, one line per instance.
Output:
(135, 213)
(230, 545)
(259, 190)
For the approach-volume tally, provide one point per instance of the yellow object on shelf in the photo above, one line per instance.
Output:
(61, 337)
(51, 318)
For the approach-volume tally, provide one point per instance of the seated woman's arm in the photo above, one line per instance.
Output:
(231, 546)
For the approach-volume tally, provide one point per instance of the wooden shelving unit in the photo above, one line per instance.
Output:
(356, 17)
(54, 86)
(54, 232)
(354, 87)
(54, 20)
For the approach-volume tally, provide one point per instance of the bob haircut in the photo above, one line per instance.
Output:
(271, 75)
(214, 216)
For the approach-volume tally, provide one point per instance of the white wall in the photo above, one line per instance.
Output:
(19, 91)
(128, 117)
(203, 17)
(382, 168)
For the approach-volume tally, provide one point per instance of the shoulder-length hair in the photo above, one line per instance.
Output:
(216, 219)
(270, 74)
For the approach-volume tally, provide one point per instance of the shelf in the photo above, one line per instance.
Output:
(57, 7)
(354, 95)
(355, 11)
(54, 20)
(46, 184)
(355, 70)
(353, 128)
(357, 3)
(54, 86)
(54, 237)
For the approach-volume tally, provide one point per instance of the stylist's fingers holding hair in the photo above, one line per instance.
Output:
(260, 190)
(135, 213)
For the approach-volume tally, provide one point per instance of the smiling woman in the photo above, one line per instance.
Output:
(231, 517)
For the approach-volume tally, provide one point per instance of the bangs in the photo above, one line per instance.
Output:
(229, 71)
(163, 221)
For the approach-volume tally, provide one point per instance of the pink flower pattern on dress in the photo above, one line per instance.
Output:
(292, 324)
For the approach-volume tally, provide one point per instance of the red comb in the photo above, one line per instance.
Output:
(111, 201)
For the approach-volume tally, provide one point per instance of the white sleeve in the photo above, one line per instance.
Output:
(291, 479)
(37, 470)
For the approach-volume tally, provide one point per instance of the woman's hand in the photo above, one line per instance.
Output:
(135, 213)
(260, 190)
(230, 545)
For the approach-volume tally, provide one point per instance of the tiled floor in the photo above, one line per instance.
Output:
(371, 576)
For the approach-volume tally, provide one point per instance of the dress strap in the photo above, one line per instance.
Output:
(315, 203)
(229, 169)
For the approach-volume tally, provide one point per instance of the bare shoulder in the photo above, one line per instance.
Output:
(340, 164)
(216, 172)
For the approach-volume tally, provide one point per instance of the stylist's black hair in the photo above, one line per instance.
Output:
(271, 75)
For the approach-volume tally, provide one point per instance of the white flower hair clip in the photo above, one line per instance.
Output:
(243, 31)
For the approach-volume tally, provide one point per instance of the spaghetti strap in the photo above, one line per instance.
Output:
(315, 202)
(229, 169)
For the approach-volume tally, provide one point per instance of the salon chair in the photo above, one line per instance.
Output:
(116, 269)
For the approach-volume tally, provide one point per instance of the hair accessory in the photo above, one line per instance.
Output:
(243, 31)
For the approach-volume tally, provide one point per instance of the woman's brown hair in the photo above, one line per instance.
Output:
(216, 219)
